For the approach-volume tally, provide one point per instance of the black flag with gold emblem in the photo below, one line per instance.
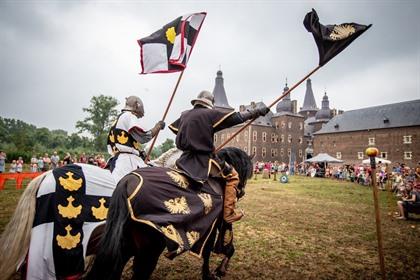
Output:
(332, 39)
(168, 49)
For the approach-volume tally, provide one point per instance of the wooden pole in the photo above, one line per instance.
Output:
(372, 156)
(271, 105)
(164, 116)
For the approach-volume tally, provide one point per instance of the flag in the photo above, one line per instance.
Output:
(332, 39)
(168, 49)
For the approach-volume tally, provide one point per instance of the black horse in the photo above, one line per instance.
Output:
(125, 238)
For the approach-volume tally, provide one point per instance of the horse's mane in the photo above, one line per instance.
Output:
(240, 161)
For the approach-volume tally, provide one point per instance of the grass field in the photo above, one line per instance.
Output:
(306, 229)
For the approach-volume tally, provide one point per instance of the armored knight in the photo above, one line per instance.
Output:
(126, 137)
(195, 131)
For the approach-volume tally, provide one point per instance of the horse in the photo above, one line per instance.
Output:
(21, 236)
(23, 232)
(128, 234)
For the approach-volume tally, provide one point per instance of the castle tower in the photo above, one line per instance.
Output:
(220, 99)
(309, 108)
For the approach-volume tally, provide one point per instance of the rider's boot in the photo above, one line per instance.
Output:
(232, 181)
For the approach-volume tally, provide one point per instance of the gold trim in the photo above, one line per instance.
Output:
(223, 118)
(204, 243)
(173, 128)
(100, 212)
(212, 161)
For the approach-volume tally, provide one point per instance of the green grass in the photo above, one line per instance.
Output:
(308, 228)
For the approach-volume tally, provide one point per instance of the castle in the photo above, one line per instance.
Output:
(289, 135)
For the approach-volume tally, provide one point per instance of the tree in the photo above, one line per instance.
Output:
(101, 113)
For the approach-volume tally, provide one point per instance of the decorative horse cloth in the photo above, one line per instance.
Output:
(71, 202)
(185, 212)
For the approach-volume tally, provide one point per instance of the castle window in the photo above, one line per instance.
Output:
(290, 125)
(289, 138)
(263, 152)
(360, 155)
(282, 138)
(289, 152)
(254, 136)
(277, 125)
(273, 153)
(301, 125)
(371, 141)
(222, 138)
(407, 139)
(283, 125)
(408, 155)
(300, 153)
(338, 155)
(264, 136)
(384, 155)
(300, 140)
(282, 152)
(245, 149)
(254, 150)
(273, 137)
(215, 138)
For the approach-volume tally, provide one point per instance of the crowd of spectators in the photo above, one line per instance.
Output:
(42, 163)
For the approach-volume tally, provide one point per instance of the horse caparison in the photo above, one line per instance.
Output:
(124, 238)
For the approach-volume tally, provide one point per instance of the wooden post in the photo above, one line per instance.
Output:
(271, 105)
(372, 153)
(164, 116)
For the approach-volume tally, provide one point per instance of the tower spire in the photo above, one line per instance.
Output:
(220, 98)
(309, 107)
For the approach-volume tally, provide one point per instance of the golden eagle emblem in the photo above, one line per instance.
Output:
(69, 211)
(179, 179)
(101, 211)
(122, 139)
(70, 183)
(171, 233)
(68, 241)
(207, 201)
(342, 31)
(178, 205)
(192, 237)
(171, 34)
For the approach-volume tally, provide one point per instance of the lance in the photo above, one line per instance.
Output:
(164, 115)
(271, 105)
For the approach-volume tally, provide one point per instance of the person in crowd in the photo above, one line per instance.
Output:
(67, 159)
(83, 158)
(47, 162)
(34, 167)
(40, 164)
(195, 130)
(55, 159)
(34, 160)
(2, 162)
(126, 137)
(409, 202)
(13, 166)
(19, 165)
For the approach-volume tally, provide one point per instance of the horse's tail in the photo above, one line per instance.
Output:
(111, 247)
(14, 241)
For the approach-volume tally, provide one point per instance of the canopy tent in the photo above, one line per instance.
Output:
(322, 157)
(377, 160)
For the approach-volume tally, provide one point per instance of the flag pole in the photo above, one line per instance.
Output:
(271, 105)
(164, 115)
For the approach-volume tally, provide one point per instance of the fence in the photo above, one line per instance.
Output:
(18, 177)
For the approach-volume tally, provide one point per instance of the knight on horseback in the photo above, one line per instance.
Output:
(195, 131)
(126, 136)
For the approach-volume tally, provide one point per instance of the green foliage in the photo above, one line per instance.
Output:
(101, 113)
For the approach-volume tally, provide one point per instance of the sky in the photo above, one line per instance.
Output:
(54, 56)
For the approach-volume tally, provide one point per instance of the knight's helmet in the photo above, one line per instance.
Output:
(204, 98)
(135, 105)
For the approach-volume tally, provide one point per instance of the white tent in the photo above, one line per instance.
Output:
(322, 157)
(377, 160)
